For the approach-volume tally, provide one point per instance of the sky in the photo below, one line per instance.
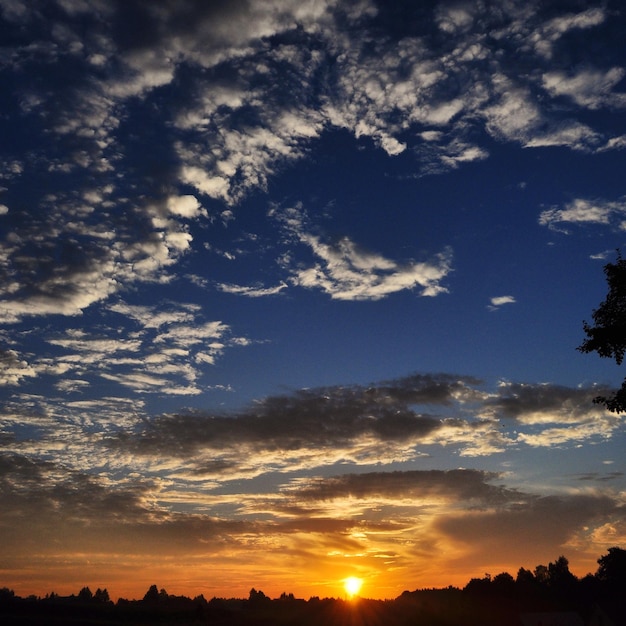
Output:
(292, 291)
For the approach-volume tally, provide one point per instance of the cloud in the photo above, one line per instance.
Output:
(13, 369)
(497, 301)
(252, 292)
(75, 253)
(553, 414)
(311, 429)
(385, 423)
(428, 485)
(590, 88)
(350, 272)
(151, 317)
(582, 211)
(149, 124)
(548, 35)
(538, 523)
(185, 206)
(153, 350)
(389, 521)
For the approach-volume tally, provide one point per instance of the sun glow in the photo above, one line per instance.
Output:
(352, 585)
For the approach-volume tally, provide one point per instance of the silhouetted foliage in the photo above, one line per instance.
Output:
(6, 595)
(101, 595)
(608, 336)
(85, 594)
(541, 574)
(257, 597)
(560, 579)
(503, 584)
(153, 595)
(525, 577)
(612, 569)
(479, 585)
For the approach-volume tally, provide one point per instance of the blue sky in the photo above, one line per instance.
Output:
(293, 291)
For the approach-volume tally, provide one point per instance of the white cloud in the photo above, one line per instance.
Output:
(350, 272)
(144, 382)
(74, 385)
(573, 135)
(13, 369)
(548, 34)
(454, 18)
(614, 143)
(63, 294)
(584, 211)
(187, 335)
(210, 185)
(185, 206)
(79, 341)
(151, 317)
(514, 116)
(252, 292)
(498, 301)
(591, 88)
(165, 355)
(592, 429)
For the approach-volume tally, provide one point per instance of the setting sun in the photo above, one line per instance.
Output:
(352, 585)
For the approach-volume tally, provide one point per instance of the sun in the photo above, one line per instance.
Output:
(352, 585)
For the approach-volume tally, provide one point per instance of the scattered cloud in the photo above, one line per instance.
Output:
(156, 350)
(404, 95)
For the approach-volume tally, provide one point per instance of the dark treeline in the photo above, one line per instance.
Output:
(548, 594)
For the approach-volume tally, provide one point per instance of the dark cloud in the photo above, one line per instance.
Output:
(403, 417)
(599, 477)
(516, 400)
(454, 485)
(45, 503)
(531, 528)
(43, 489)
(309, 418)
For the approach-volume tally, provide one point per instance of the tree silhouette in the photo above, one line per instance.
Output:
(85, 594)
(612, 568)
(152, 595)
(257, 597)
(101, 595)
(560, 579)
(608, 336)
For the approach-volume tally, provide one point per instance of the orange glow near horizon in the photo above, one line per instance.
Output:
(306, 568)
(191, 580)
